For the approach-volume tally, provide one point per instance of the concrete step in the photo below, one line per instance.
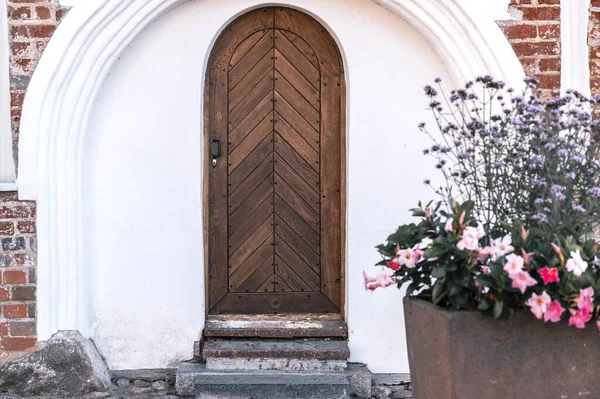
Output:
(276, 326)
(294, 355)
(196, 379)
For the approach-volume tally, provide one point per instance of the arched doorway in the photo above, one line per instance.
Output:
(275, 161)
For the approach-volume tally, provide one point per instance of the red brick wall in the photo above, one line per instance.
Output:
(535, 36)
(594, 43)
(31, 24)
(17, 273)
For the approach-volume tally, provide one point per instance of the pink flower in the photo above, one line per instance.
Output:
(576, 264)
(514, 265)
(485, 269)
(407, 257)
(381, 279)
(598, 324)
(554, 312)
(394, 265)
(470, 238)
(522, 280)
(586, 300)
(579, 318)
(549, 275)
(502, 246)
(538, 304)
(449, 225)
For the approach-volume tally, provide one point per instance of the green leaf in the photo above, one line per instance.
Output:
(415, 285)
(487, 280)
(438, 272)
(418, 212)
(484, 305)
(498, 309)
(439, 291)
(455, 289)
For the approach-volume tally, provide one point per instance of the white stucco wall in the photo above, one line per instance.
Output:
(143, 178)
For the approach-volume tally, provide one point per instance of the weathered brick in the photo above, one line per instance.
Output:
(550, 65)
(17, 212)
(22, 328)
(3, 329)
(3, 294)
(43, 12)
(22, 12)
(32, 31)
(24, 259)
(18, 311)
(537, 13)
(520, 31)
(31, 310)
(22, 293)
(26, 226)
(550, 31)
(17, 344)
(13, 244)
(15, 277)
(7, 228)
(549, 81)
(536, 48)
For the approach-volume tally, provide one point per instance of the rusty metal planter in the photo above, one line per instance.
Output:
(464, 355)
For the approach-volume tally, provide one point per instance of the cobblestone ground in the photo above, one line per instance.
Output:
(164, 389)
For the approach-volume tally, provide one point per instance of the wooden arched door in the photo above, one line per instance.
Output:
(275, 166)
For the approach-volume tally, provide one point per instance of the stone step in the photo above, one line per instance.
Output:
(283, 355)
(276, 326)
(196, 379)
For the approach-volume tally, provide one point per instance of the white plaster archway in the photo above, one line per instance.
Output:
(67, 80)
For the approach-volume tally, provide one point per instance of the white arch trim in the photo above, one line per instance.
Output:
(73, 68)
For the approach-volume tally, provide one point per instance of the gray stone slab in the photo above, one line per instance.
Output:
(391, 379)
(293, 349)
(281, 364)
(194, 378)
(144, 374)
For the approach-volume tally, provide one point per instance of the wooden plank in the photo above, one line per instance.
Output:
(263, 48)
(250, 144)
(268, 285)
(309, 110)
(252, 120)
(296, 79)
(286, 132)
(240, 272)
(297, 184)
(238, 194)
(311, 232)
(315, 34)
(309, 130)
(297, 59)
(263, 69)
(261, 100)
(301, 268)
(275, 302)
(245, 46)
(238, 281)
(240, 173)
(291, 198)
(291, 278)
(254, 241)
(261, 277)
(251, 207)
(281, 285)
(255, 98)
(331, 169)
(307, 172)
(249, 225)
(308, 253)
(302, 46)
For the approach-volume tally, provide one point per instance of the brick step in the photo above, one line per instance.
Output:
(196, 379)
(276, 326)
(288, 355)
(295, 349)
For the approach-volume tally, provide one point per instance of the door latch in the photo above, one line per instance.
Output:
(215, 150)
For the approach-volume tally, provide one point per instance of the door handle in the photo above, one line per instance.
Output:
(215, 150)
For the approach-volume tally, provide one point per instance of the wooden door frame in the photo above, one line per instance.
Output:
(206, 165)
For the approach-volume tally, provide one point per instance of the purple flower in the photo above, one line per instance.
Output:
(559, 196)
(498, 164)
(571, 175)
(539, 183)
(421, 125)
(577, 158)
(539, 201)
(540, 217)
(437, 80)
(550, 146)
(464, 155)
(537, 159)
(562, 152)
(595, 191)
(430, 91)
(578, 208)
